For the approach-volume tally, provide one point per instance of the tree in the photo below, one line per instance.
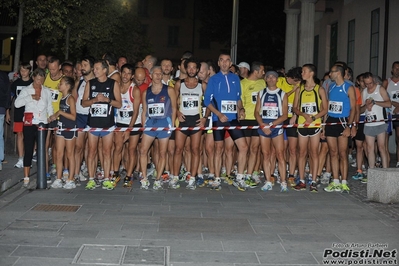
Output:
(94, 26)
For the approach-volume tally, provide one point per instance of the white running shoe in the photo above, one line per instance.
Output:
(19, 164)
(57, 184)
(69, 185)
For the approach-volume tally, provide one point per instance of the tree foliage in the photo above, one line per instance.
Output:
(95, 26)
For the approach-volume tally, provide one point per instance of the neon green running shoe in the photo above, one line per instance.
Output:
(108, 185)
(91, 185)
(345, 188)
(332, 187)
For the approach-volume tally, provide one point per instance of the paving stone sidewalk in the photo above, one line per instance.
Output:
(184, 227)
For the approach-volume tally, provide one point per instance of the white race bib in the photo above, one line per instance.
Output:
(99, 110)
(269, 111)
(335, 107)
(54, 95)
(156, 109)
(229, 107)
(190, 102)
(309, 108)
(254, 97)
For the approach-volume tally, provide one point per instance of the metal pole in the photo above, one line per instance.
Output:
(41, 157)
(19, 37)
(234, 31)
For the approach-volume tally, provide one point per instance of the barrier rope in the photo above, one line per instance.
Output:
(124, 129)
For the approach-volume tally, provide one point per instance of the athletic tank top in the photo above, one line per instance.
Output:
(393, 91)
(271, 104)
(55, 93)
(190, 99)
(64, 122)
(309, 103)
(81, 90)
(101, 113)
(125, 113)
(158, 105)
(338, 101)
(377, 112)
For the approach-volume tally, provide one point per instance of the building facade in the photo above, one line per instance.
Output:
(176, 25)
(359, 32)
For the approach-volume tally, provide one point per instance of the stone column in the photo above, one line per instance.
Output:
(306, 34)
(291, 38)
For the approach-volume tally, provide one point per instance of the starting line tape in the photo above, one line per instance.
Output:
(125, 129)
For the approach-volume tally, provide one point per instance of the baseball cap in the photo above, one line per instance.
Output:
(244, 64)
(271, 72)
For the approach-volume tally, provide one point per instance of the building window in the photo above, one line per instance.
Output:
(316, 50)
(333, 44)
(142, 8)
(351, 44)
(174, 8)
(374, 41)
(173, 36)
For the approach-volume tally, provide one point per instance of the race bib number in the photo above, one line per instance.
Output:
(190, 103)
(395, 96)
(371, 117)
(229, 107)
(99, 110)
(125, 114)
(254, 97)
(335, 107)
(290, 109)
(54, 95)
(156, 109)
(270, 111)
(309, 108)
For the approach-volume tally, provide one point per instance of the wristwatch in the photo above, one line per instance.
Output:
(271, 124)
(313, 117)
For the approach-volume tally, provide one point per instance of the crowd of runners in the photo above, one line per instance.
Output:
(247, 125)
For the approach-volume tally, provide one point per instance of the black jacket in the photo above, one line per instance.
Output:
(5, 93)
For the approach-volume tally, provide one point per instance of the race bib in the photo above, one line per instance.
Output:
(54, 95)
(125, 114)
(290, 109)
(156, 109)
(395, 96)
(309, 108)
(254, 97)
(99, 110)
(335, 107)
(270, 111)
(190, 102)
(229, 107)
(371, 117)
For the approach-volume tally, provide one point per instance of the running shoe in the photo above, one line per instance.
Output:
(344, 188)
(332, 187)
(26, 182)
(127, 182)
(165, 177)
(108, 185)
(283, 187)
(157, 185)
(255, 176)
(19, 164)
(98, 182)
(191, 183)
(228, 180)
(240, 184)
(136, 175)
(69, 184)
(250, 182)
(325, 179)
(200, 181)
(223, 172)
(300, 186)
(91, 185)
(313, 187)
(144, 184)
(115, 178)
(267, 187)
(48, 177)
(77, 180)
(364, 180)
(358, 176)
(65, 175)
(291, 181)
(397, 165)
(57, 183)
(215, 184)
(53, 170)
(34, 157)
(174, 182)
